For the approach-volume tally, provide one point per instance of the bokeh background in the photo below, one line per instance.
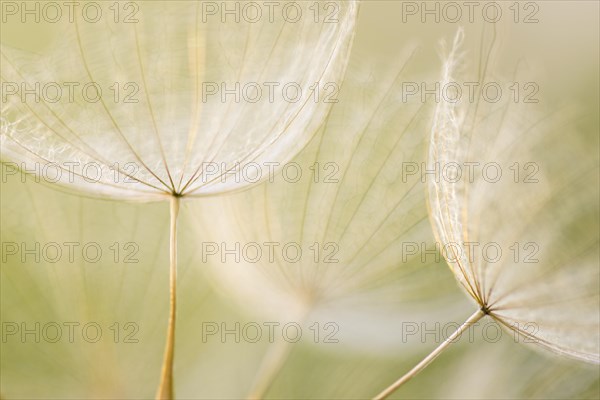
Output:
(560, 53)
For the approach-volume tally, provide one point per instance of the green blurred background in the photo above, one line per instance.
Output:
(560, 53)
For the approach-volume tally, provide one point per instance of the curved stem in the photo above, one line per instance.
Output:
(427, 360)
(165, 389)
(272, 363)
(269, 368)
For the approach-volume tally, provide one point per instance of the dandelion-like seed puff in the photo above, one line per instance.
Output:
(338, 221)
(170, 104)
(521, 236)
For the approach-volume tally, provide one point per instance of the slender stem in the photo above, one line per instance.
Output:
(269, 368)
(165, 389)
(427, 360)
(271, 364)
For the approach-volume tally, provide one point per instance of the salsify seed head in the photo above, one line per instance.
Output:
(171, 103)
(328, 236)
(521, 234)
